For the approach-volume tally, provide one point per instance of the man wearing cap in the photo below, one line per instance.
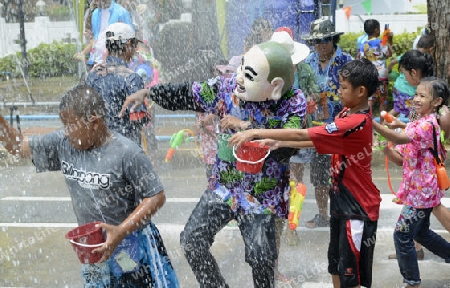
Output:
(326, 61)
(259, 95)
(115, 81)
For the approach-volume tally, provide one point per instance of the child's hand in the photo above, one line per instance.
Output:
(396, 123)
(231, 122)
(113, 240)
(241, 137)
(273, 144)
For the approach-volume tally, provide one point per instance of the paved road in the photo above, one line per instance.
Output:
(35, 214)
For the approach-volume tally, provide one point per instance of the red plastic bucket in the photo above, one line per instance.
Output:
(250, 157)
(84, 239)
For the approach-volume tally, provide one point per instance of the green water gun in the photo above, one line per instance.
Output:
(179, 138)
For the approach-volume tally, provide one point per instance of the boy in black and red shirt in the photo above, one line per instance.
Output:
(354, 198)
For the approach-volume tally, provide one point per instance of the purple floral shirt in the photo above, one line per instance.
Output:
(268, 191)
(419, 187)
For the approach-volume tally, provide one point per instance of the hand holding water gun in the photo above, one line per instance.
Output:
(177, 139)
(387, 36)
(386, 116)
(296, 203)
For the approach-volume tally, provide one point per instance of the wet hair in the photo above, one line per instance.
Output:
(426, 42)
(361, 72)
(259, 25)
(84, 101)
(370, 25)
(415, 59)
(438, 88)
(252, 40)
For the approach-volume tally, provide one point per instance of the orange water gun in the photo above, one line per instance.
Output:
(296, 200)
(386, 32)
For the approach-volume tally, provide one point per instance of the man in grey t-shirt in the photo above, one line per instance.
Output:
(110, 180)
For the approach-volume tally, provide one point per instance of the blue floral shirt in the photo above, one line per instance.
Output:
(328, 78)
(268, 191)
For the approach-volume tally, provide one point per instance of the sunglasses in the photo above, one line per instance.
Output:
(322, 41)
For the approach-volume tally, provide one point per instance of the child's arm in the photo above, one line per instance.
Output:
(393, 155)
(12, 140)
(139, 217)
(275, 144)
(276, 134)
(392, 64)
(391, 135)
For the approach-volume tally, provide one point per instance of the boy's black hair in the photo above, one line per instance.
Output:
(361, 72)
(84, 101)
(426, 42)
(370, 25)
(415, 59)
(438, 88)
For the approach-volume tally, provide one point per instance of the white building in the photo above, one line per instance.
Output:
(383, 6)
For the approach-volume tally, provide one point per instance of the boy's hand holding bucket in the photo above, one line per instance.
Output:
(241, 137)
(114, 235)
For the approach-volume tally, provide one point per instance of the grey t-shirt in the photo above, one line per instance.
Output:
(107, 183)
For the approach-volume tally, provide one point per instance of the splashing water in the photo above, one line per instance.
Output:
(24, 79)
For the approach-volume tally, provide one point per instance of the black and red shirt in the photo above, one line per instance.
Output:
(353, 194)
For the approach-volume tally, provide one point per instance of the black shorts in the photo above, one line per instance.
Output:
(353, 265)
(320, 169)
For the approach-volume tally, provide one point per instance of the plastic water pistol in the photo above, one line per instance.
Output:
(175, 141)
(385, 37)
(296, 200)
(386, 116)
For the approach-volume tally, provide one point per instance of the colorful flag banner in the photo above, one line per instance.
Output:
(368, 6)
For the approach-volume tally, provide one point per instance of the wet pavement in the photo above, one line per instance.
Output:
(35, 214)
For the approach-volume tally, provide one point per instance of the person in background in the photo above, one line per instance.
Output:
(326, 61)
(142, 63)
(106, 13)
(359, 41)
(115, 81)
(402, 91)
(425, 31)
(260, 31)
(354, 198)
(208, 123)
(115, 172)
(375, 51)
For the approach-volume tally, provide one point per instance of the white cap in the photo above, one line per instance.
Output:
(120, 31)
(298, 51)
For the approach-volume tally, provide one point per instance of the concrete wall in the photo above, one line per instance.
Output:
(397, 23)
(40, 31)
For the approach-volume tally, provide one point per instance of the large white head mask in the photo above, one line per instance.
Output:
(266, 73)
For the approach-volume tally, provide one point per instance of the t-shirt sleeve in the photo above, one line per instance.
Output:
(140, 173)
(420, 134)
(343, 136)
(45, 149)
